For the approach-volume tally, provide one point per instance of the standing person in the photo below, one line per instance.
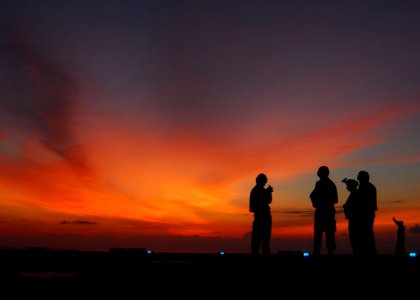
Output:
(368, 203)
(351, 214)
(259, 203)
(400, 245)
(323, 198)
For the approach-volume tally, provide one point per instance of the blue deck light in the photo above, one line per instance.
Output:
(306, 254)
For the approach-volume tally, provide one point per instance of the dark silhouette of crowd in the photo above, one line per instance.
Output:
(359, 210)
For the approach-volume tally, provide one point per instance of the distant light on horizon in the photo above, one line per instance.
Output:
(412, 254)
(222, 253)
(305, 254)
(149, 252)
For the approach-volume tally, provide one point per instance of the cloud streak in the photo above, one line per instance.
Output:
(40, 96)
(78, 222)
(295, 212)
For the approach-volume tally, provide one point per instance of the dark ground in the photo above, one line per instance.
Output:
(132, 273)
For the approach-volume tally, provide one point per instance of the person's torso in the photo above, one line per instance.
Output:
(326, 195)
(259, 200)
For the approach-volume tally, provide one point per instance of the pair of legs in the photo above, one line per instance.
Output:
(362, 237)
(261, 233)
(324, 222)
(329, 239)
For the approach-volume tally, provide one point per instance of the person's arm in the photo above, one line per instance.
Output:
(269, 191)
(374, 198)
(335, 194)
(252, 201)
(314, 196)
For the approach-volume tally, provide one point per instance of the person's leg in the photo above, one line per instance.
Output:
(256, 236)
(370, 238)
(330, 240)
(317, 240)
(354, 233)
(266, 246)
(266, 235)
(372, 244)
(351, 237)
(330, 236)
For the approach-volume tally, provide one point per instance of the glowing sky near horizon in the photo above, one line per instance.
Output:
(132, 122)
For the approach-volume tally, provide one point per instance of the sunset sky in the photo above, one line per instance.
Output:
(145, 123)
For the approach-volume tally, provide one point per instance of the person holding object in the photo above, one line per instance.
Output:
(323, 197)
(400, 245)
(259, 203)
(351, 213)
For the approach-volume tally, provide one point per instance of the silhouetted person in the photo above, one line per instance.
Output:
(259, 203)
(368, 207)
(323, 198)
(400, 245)
(351, 214)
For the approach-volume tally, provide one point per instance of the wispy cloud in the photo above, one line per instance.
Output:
(295, 212)
(393, 201)
(40, 96)
(301, 212)
(78, 222)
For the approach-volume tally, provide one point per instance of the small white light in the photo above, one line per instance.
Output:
(412, 254)
(149, 252)
(222, 253)
(305, 254)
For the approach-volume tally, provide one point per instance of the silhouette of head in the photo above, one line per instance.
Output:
(323, 172)
(363, 176)
(261, 179)
(351, 184)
